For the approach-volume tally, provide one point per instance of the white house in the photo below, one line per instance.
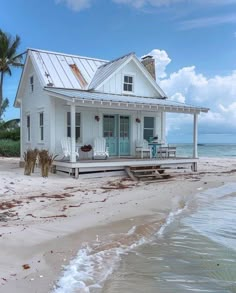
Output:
(63, 95)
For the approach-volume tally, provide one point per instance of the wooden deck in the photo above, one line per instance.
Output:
(113, 166)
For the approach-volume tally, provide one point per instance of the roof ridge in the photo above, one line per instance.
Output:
(64, 54)
(114, 60)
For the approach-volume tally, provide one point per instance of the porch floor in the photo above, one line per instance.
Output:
(119, 164)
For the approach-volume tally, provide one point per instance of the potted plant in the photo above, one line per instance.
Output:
(86, 148)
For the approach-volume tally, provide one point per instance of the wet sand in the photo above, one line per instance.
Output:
(43, 222)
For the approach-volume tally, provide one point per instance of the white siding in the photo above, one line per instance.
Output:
(90, 128)
(142, 86)
(32, 104)
(55, 110)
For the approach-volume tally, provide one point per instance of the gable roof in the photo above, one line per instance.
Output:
(58, 70)
(64, 70)
(107, 69)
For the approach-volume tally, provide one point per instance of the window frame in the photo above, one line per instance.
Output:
(128, 75)
(77, 126)
(32, 83)
(148, 128)
(28, 127)
(41, 126)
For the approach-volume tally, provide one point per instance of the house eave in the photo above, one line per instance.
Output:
(119, 104)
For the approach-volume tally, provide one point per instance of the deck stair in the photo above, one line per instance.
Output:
(144, 173)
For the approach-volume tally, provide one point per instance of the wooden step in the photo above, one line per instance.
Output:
(153, 176)
(148, 175)
(144, 167)
(148, 170)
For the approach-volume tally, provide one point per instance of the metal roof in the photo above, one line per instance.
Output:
(105, 70)
(59, 70)
(164, 104)
(63, 70)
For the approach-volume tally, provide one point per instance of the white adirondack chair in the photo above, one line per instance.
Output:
(100, 150)
(66, 147)
(143, 147)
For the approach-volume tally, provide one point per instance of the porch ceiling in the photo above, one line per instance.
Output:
(88, 98)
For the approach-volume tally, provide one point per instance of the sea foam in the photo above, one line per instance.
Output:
(95, 263)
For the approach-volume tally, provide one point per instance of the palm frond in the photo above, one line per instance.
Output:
(13, 45)
(10, 124)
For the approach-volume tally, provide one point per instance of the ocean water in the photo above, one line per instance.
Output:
(192, 249)
(207, 150)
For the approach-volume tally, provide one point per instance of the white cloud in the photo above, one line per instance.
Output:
(159, 3)
(142, 3)
(161, 61)
(218, 93)
(178, 97)
(75, 5)
(207, 21)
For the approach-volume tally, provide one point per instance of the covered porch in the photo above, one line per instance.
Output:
(128, 114)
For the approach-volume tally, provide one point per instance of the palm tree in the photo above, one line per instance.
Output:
(8, 58)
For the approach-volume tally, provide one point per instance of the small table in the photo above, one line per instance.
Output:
(154, 146)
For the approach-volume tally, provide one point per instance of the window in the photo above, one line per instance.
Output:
(128, 83)
(77, 125)
(109, 125)
(148, 129)
(28, 127)
(41, 126)
(32, 83)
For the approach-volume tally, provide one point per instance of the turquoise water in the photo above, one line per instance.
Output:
(207, 150)
(193, 250)
(195, 253)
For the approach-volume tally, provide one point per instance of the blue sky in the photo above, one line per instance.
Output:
(193, 42)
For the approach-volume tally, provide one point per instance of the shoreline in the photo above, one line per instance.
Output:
(51, 217)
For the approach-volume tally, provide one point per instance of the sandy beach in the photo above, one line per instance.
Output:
(44, 221)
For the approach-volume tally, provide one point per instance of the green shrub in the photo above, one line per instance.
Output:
(9, 148)
(13, 134)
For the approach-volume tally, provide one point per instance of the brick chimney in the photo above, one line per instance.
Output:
(149, 63)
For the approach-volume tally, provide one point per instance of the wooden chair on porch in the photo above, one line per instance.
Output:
(100, 150)
(66, 148)
(162, 152)
(166, 152)
(171, 151)
(143, 147)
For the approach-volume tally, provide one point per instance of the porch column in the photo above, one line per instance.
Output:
(72, 117)
(195, 133)
(163, 127)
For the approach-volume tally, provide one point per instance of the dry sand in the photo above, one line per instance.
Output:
(44, 221)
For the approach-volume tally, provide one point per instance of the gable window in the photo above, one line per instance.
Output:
(41, 126)
(32, 83)
(77, 125)
(148, 129)
(28, 127)
(128, 85)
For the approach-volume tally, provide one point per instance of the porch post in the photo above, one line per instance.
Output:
(163, 127)
(195, 135)
(72, 117)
